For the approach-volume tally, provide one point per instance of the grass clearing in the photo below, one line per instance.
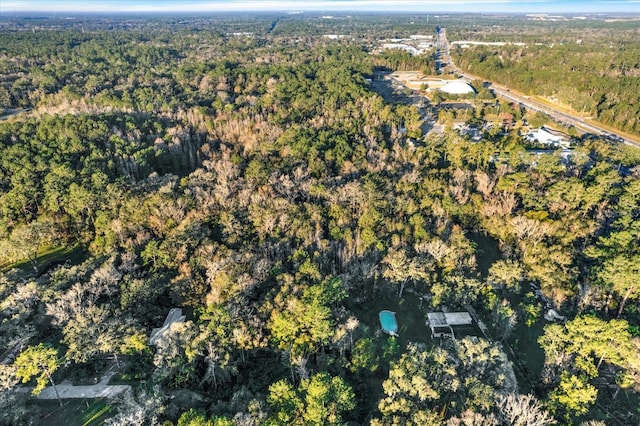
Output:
(85, 412)
(48, 256)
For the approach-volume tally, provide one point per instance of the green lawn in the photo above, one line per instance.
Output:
(48, 255)
(73, 412)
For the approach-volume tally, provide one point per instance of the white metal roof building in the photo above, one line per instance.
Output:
(457, 87)
(545, 137)
(174, 316)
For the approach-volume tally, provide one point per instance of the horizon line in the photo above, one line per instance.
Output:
(344, 6)
(315, 11)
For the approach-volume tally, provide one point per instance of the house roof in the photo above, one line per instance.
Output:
(174, 316)
(443, 319)
(542, 135)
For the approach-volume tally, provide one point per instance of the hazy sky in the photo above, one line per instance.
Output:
(424, 6)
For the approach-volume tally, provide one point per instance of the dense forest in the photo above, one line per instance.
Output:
(244, 170)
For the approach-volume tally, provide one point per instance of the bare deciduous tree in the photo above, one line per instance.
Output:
(484, 183)
(523, 410)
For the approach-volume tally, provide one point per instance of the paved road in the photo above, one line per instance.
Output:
(444, 59)
(67, 391)
(557, 115)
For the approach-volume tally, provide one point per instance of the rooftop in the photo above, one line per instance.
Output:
(442, 319)
(174, 315)
(457, 87)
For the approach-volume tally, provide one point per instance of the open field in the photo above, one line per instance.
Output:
(74, 412)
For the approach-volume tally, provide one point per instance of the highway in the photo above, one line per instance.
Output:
(443, 60)
(557, 115)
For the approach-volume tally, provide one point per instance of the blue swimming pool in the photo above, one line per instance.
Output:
(388, 322)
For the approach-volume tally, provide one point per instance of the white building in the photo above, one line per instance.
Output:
(545, 137)
(402, 46)
(174, 316)
(457, 87)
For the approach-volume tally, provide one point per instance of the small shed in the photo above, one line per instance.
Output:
(441, 323)
(174, 315)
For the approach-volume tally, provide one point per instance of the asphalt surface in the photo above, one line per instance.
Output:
(67, 391)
